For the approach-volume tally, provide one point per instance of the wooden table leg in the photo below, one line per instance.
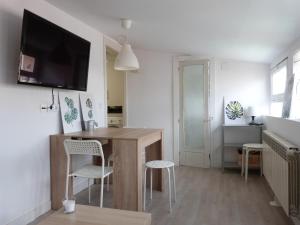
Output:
(129, 172)
(127, 188)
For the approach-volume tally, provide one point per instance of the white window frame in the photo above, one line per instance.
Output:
(278, 97)
(296, 88)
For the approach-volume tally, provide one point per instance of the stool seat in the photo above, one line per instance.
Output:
(259, 147)
(159, 164)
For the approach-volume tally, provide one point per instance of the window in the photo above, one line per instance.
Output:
(295, 105)
(276, 109)
(279, 81)
(278, 86)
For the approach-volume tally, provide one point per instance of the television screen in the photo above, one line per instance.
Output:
(52, 56)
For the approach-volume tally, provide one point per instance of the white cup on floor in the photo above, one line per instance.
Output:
(69, 206)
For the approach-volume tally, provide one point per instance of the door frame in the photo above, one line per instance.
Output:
(176, 104)
(114, 45)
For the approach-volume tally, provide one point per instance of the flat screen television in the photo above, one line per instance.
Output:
(52, 56)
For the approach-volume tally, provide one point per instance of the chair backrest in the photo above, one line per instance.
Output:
(83, 147)
(79, 147)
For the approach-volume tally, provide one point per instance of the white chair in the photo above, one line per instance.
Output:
(87, 147)
(109, 161)
(160, 164)
(251, 147)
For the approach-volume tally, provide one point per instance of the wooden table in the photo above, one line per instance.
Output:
(130, 148)
(97, 216)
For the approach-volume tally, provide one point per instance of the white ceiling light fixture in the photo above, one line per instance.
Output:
(126, 59)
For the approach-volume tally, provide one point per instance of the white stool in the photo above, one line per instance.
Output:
(160, 164)
(253, 147)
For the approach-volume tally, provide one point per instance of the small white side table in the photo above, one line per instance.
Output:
(251, 147)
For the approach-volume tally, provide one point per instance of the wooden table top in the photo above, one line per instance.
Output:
(114, 133)
(91, 215)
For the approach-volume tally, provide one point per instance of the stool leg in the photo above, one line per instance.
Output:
(89, 190)
(145, 178)
(107, 185)
(246, 166)
(261, 163)
(151, 183)
(174, 184)
(169, 178)
(243, 159)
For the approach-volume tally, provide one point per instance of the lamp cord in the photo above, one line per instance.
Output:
(53, 100)
(126, 36)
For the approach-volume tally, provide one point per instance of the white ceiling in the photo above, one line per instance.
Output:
(253, 30)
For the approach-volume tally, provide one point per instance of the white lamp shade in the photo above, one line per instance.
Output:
(251, 111)
(126, 59)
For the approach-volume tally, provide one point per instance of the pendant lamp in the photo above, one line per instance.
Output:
(126, 59)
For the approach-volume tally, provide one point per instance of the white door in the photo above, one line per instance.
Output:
(194, 131)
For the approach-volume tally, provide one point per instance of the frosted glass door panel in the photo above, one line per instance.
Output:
(193, 100)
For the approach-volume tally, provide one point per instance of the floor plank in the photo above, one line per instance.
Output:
(209, 197)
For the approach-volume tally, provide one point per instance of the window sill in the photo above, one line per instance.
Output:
(287, 119)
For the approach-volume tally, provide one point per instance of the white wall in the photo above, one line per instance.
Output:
(246, 81)
(24, 163)
(24, 133)
(149, 94)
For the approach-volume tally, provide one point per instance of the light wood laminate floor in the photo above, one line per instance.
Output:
(209, 197)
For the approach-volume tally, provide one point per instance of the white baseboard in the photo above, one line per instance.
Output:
(32, 214)
(196, 159)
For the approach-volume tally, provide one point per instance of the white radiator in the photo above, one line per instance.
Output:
(281, 170)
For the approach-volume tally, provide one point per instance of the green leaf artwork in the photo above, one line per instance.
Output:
(90, 114)
(234, 110)
(72, 113)
(89, 104)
